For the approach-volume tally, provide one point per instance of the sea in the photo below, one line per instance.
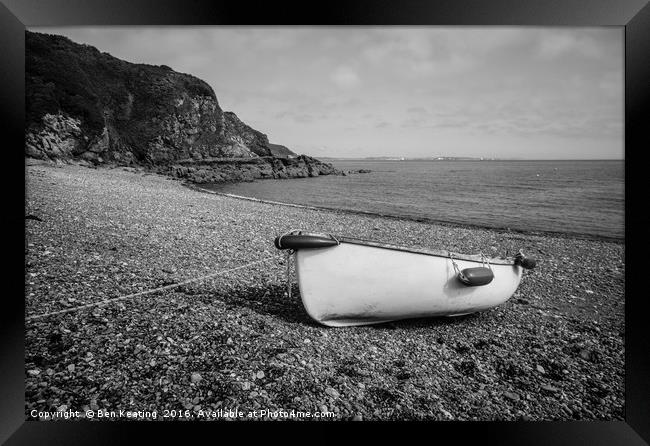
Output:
(582, 198)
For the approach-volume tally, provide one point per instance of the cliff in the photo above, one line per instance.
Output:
(88, 106)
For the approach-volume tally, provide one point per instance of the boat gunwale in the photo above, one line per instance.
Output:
(430, 252)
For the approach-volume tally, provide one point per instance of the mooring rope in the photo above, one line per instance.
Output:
(143, 293)
(289, 255)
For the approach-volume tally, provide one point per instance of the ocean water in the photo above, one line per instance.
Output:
(577, 197)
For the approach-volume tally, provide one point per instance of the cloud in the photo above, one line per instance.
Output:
(567, 43)
(296, 116)
(611, 84)
(417, 110)
(345, 77)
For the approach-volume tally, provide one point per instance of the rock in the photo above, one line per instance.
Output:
(549, 388)
(196, 378)
(585, 354)
(260, 375)
(332, 392)
(511, 396)
(564, 408)
(71, 368)
(357, 417)
(446, 413)
(540, 369)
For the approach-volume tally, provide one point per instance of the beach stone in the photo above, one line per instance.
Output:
(511, 396)
(585, 354)
(549, 388)
(196, 378)
(332, 392)
(446, 413)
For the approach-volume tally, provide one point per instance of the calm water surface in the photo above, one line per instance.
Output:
(579, 197)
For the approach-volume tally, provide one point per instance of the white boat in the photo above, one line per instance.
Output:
(345, 281)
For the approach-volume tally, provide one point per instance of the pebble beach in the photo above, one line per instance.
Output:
(237, 342)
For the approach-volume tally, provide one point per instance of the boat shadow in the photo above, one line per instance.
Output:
(427, 322)
(273, 301)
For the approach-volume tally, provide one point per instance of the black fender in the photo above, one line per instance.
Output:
(476, 276)
(299, 241)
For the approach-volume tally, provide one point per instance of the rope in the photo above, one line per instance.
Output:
(457, 268)
(143, 293)
(289, 254)
(453, 262)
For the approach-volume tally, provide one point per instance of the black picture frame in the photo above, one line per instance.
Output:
(634, 15)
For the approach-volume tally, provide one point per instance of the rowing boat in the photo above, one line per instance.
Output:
(346, 281)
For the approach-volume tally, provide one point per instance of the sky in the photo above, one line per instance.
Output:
(494, 92)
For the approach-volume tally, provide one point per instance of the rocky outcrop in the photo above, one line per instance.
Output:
(88, 106)
(234, 170)
(59, 136)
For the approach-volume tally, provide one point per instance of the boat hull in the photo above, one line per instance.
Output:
(354, 284)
